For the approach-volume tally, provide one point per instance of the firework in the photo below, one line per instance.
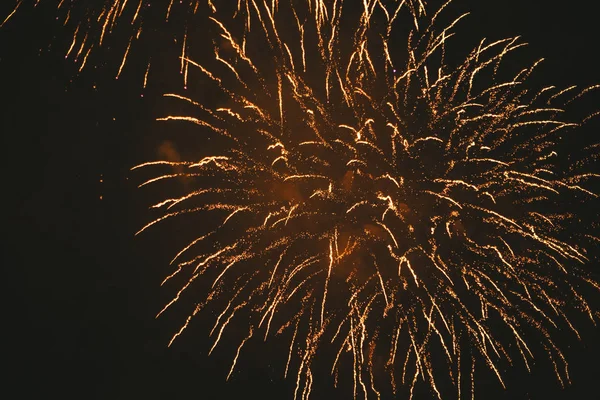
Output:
(393, 213)
(149, 28)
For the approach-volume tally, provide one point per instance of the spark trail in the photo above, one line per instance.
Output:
(407, 213)
(142, 26)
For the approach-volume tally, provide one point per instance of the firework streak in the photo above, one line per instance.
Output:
(92, 23)
(395, 215)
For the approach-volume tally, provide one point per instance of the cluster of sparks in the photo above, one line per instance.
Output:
(93, 22)
(409, 212)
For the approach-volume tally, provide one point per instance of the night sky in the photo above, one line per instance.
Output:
(83, 291)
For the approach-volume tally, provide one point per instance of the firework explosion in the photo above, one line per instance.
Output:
(394, 215)
(146, 25)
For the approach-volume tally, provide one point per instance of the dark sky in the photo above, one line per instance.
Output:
(83, 291)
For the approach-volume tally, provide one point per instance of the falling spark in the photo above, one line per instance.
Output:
(102, 18)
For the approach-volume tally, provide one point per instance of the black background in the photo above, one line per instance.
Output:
(83, 291)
